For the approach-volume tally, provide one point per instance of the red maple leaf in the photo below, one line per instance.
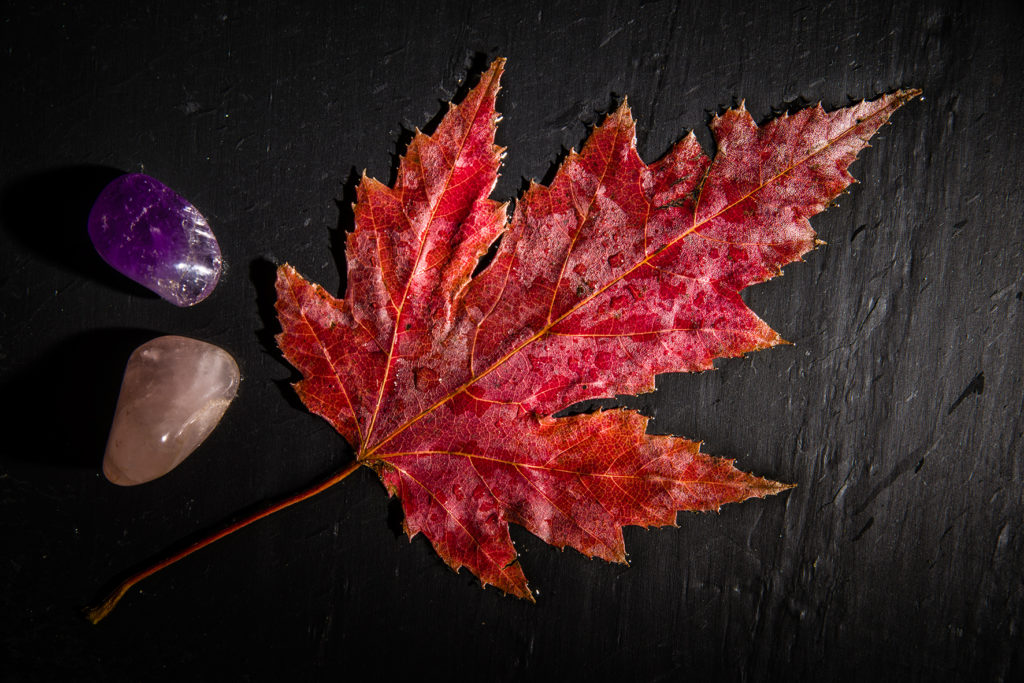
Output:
(445, 382)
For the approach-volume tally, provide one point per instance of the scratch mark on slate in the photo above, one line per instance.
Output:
(920, 455)
(608, 38)
(870, 523)
(976, 386)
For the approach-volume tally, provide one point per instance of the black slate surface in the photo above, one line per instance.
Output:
(897, 411)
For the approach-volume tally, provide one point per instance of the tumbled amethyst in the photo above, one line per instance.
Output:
(150, 233)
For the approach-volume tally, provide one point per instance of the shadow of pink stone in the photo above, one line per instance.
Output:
(175, 391)
(148, 232)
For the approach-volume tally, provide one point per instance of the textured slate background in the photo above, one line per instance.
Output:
(898, 410)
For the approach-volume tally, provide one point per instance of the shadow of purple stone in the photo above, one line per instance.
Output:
(48, 213)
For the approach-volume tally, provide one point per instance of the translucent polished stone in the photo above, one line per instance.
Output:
(150, 233)
(175, 391)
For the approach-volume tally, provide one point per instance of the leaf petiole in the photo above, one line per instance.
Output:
(97, 613)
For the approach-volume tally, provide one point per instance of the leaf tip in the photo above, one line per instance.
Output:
(285, 271)
(623, 115)
(767, 487)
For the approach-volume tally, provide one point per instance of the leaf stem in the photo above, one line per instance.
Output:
(97, 613)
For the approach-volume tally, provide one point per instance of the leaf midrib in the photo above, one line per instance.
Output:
(561, 470)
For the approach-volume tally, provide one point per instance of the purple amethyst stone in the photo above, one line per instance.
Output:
(150, 233)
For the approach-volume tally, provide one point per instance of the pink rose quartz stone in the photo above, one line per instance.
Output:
(175, 391)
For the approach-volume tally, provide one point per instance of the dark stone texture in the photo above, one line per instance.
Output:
(898, 555)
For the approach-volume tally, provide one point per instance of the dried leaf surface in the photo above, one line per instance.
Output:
(445, 383)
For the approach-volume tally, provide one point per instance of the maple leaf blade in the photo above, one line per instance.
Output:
(415, 247)
(462, 531)
(322, 341)
(573, 482)
(766, 182)
(617, 271)
(609, 277)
